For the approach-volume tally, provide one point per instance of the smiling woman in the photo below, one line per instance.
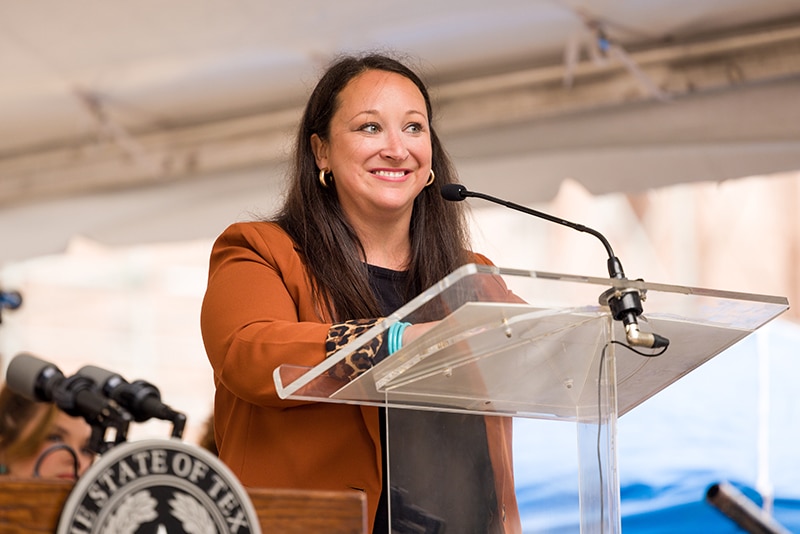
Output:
(363, 230)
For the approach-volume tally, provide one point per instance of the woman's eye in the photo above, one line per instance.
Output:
(414, 127)
(55, 438)
(370, 128)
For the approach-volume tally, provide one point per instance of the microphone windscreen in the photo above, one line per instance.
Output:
(100, 376)
(453, 192)
(10, 299)
(22, 374)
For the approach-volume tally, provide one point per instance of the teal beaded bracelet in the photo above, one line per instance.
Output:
(395, 336)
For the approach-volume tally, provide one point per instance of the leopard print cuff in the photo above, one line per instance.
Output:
(360, 360)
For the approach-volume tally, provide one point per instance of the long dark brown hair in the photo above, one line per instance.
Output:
(312, 216)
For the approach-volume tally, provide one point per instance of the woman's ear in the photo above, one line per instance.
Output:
(320, 149)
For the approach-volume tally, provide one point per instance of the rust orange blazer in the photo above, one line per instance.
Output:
(258, 313)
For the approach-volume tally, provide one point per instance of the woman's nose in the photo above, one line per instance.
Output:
(85, 461)
(394, 147)
(83, 465)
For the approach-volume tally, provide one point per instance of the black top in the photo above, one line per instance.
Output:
(441, 476)
(388, 286)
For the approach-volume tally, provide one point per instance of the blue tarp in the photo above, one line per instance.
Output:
(735, 419)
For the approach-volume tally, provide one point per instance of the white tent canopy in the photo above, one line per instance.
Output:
(140, 122)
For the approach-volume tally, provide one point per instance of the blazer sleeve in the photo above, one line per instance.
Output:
(258, 312)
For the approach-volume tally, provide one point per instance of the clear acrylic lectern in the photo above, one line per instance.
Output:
(521, 344)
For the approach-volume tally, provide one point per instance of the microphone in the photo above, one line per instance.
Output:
(142, 399)
(38, 380)
(625, 304)
(10, 300)
(744, 512)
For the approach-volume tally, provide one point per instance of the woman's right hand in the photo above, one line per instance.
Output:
(415, 331)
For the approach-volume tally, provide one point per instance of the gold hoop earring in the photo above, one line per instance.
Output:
(431, 179)
(323, 177)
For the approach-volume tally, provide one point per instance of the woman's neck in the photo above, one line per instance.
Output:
(387, 246)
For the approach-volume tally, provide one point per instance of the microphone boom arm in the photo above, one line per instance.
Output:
(614, 265)
(625, 304)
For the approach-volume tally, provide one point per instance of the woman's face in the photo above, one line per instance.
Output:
(57, 463)
(379, 146)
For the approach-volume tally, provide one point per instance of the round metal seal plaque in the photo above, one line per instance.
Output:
(158, 486)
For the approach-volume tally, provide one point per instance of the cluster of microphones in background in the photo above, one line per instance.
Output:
(108, 402)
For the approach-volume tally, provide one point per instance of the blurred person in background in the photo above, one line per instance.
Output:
(38, 440)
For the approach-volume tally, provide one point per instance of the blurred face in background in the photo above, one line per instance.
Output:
(52, 455)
